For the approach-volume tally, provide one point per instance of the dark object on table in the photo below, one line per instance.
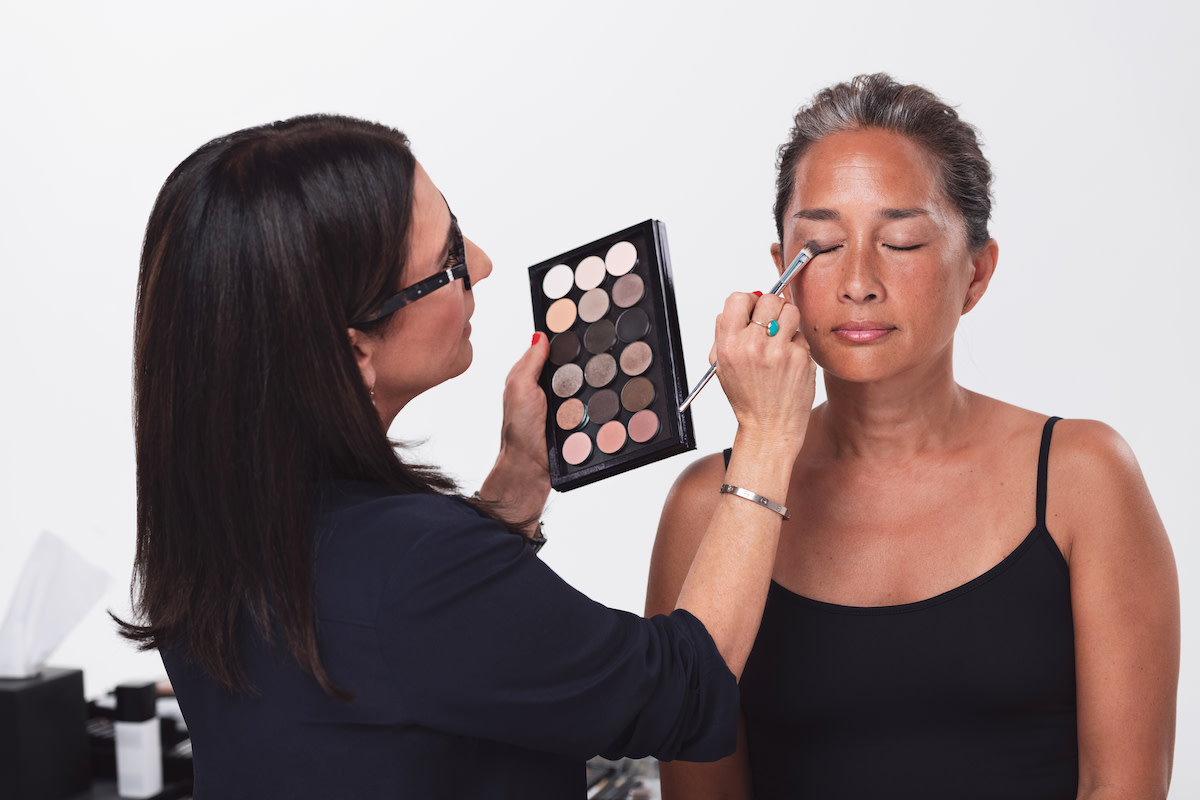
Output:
(43, 741)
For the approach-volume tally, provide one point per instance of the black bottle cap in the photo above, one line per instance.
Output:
(136, 702)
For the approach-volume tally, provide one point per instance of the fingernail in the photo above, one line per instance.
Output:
(536, 336)
(758, 294)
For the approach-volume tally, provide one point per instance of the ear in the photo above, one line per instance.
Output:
(983, 262)
(364, 349)
(777, 256)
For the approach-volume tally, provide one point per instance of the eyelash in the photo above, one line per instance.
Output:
(902, 249)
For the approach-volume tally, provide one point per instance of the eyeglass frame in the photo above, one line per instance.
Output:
(414, 292)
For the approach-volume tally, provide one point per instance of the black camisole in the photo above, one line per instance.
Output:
(969, 694)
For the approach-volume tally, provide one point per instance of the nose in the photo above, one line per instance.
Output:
(478, 263)
(860, 275)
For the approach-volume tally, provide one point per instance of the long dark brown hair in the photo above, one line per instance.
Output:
(262, 249)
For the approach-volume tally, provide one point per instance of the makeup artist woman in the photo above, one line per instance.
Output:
(977, 601)
(337, 622)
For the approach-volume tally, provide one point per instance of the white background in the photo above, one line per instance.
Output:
(550, 125)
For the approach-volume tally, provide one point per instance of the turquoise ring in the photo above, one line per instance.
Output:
(772, 326)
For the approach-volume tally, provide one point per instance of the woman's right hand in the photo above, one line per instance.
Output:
(770, 381)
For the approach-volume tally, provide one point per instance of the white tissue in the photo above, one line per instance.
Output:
(57, 588)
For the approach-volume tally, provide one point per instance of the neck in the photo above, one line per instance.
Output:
(898, 418)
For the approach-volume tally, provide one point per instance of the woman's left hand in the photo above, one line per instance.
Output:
(519, 483)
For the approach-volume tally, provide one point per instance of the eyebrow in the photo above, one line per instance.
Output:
(828, 214)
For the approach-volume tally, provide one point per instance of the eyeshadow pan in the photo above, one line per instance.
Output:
(621, 258)
(558, 282)
(637, 394)
(564, 348)
(631, 325)
(593, 305)
(590, 273)
(600, 370)
(636, 358)
(600, 337)
(611, 437)
(643, 426)
(577, 448)
(603, 406)
(571, 414)
(628, 290)
(560, 315)
(567, 380)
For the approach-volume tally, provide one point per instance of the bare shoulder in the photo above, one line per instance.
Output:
(1096, 493)
(685, 516)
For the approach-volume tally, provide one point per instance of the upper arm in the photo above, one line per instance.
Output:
(1125, 605)
(686, 513)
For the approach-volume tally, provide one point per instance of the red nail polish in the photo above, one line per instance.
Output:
(758, 294)
(535, 339)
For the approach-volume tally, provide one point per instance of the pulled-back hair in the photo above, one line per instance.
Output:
(263, 247)
(878, 101)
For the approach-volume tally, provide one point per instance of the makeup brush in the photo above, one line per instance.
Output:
(806, 253)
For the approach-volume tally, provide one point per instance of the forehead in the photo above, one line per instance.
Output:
(871, 165)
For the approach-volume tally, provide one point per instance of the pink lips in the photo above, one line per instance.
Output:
(863, 331)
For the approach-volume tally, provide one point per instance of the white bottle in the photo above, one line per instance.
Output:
(139, 741)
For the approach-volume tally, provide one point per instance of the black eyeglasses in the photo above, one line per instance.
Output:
(454, 269)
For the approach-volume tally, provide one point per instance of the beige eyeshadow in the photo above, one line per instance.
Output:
(600, 370)
(590, 273)
(560, 315)
(593, 305)
(621, 258)
(571, 414)
(636, 358)
(567, 380)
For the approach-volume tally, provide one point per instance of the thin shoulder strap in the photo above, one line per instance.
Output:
(728, 453)
(1043, 470)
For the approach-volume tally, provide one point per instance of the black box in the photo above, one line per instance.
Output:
(43, 736)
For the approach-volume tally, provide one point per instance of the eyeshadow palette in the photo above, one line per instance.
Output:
(615, 376)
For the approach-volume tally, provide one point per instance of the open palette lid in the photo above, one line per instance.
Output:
(615, 377)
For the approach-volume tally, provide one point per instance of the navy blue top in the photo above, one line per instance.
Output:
(477, 672)
(969, 694)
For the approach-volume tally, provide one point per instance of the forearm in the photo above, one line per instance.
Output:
(726, 587)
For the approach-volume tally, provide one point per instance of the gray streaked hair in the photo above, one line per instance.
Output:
(879, 101)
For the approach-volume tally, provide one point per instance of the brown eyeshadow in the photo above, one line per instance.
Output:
(564, 348)
(628, 290)
(603, 406)
(637, 394)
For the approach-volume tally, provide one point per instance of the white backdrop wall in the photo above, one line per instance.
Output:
(548, 125)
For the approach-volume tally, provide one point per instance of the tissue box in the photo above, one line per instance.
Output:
(43, 736)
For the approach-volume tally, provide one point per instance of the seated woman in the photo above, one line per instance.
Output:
(337, 622)
(974, 600)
